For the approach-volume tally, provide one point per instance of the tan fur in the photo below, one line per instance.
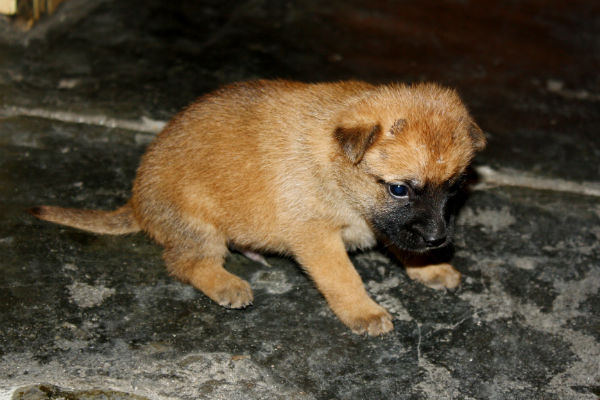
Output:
(435, 276)
(288, 167)
(118, 222)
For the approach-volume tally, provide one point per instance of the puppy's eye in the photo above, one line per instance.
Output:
(398, 191)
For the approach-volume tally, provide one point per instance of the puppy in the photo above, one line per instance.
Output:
(310, 170)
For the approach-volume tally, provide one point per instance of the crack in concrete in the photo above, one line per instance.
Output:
(144, 124)
(172, 376)
(508, 177)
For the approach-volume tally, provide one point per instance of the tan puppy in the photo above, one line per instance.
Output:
(311, 170)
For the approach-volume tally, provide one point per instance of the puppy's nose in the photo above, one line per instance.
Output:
(433, 232)
(434, 241)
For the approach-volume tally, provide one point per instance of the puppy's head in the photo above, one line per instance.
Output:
(408, 148)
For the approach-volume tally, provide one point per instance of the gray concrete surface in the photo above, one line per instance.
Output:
(84, 316)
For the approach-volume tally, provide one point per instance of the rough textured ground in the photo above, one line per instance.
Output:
(94, 317)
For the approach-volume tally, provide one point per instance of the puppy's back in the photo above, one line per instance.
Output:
(238, 156)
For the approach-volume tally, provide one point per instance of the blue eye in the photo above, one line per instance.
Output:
(398, 190)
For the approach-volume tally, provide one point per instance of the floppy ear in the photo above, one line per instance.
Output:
(355, 140)
(477, 136)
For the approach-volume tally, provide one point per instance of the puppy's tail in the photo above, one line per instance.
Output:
(117, 222)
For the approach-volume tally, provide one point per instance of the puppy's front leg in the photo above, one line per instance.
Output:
(325, 259)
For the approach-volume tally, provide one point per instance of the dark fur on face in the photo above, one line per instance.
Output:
(421, 221)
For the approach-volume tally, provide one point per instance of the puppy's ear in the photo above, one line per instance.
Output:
(477, 136)
(355, 140)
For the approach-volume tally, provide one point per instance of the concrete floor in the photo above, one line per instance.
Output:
(95, 317)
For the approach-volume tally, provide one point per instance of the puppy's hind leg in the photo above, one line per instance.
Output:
(205, 271)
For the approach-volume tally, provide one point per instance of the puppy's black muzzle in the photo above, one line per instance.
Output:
(422, 224)
(433, 232)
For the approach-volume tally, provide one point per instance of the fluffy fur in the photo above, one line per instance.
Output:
(300, 169)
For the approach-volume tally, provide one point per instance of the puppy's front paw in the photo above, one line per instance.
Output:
(435, 276)
(371, 319)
